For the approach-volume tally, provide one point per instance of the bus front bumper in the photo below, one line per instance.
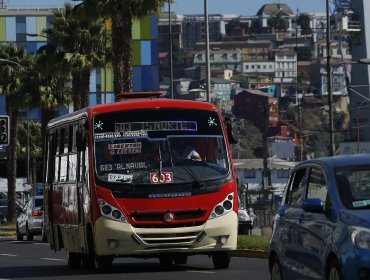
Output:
(120, 239)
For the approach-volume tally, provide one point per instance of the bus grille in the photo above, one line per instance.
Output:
(169, 239)
(154, 216)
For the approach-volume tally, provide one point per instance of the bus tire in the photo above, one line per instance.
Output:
(221, 259)
(166, 260)
(180, 259)
(74, 260)
(103, 263)
(88, 260)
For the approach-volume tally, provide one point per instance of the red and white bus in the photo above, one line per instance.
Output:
(143, 178)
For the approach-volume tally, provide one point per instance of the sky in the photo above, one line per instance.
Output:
(237, 7)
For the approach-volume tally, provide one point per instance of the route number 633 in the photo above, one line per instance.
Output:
(158, 178)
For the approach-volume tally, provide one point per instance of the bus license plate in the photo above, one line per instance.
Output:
(158, 178)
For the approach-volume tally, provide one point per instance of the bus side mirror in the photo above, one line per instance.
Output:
(232, 131)
(81, 136)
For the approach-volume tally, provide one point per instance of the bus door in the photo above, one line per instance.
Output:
(50, 168)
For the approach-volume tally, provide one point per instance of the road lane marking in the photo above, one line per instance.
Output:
(199, 271)
(42, 244)
(51, 259)
(8, 255)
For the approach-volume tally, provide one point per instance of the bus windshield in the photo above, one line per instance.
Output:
(162, 146)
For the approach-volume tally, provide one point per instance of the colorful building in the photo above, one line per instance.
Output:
(17, 26)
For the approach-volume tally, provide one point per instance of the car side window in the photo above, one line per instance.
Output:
(295, 188)
(317, 185)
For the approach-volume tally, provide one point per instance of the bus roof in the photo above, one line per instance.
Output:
(142, 103)
(130, 104)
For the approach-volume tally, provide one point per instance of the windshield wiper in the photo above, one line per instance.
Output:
(198, 182)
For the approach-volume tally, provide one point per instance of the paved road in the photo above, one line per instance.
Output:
(34, 260)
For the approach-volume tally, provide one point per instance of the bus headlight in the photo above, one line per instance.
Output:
(223, 207)
(111, 212)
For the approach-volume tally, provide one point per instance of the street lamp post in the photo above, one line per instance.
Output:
(358, 121)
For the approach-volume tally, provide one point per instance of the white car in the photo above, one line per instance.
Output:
(246, 219)
(31, 218)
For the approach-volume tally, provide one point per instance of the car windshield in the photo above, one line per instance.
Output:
(353, 184)
(167, 146)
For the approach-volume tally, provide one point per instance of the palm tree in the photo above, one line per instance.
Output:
(16, 68)
(81, 43)
(121, 14)
(53, 82)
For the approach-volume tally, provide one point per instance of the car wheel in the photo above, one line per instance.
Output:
(221, 259)
(276, 269)
(74, 260)
(19, 235)
(333, 272)
(103, 263)
(29, 234)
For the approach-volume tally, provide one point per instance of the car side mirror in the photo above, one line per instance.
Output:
(315, 205)
(232, 131)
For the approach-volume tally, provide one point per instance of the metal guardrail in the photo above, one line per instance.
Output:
(264, 218)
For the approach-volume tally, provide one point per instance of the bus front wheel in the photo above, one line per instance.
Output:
(221, 259)
(103, 263)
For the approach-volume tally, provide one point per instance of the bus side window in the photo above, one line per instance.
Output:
(56, 150)
(72, 157)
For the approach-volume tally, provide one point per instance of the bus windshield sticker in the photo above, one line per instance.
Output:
(125, 148)
(123, 178)
(212, 122)
(125, 134)
(99, 125)
(156, 126)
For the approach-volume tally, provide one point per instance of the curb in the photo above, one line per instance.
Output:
(250, 254)
(7, 233)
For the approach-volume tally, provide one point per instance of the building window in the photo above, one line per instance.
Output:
(249, 173)
(283, 173)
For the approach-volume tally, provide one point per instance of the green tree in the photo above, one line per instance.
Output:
(256, 26)
(278, 22)
(303, 21)
(82, 43)
(121, 14)
(53, 82)
(17, 65)
(236, 23)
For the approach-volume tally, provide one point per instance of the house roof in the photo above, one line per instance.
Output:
(269, 9)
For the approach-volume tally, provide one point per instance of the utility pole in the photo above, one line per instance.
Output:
(208, 74)
(170, 37)
(329, 78)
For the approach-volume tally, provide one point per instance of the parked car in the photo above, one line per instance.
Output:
(322, 228)
(3, 210)
(31, 218)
